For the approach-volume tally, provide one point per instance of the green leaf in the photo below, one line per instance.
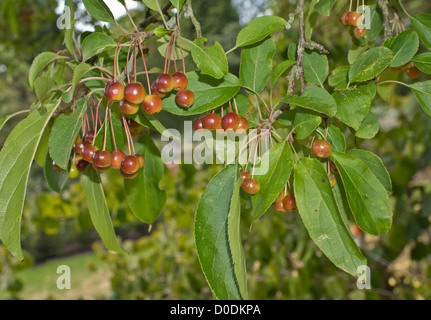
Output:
(145, 198)
(209, 93)
(78, 73)
(404, 46)
(16, 158)
(321, 217)
(43, 147)
(10, 116)
(422, 24)
(370, 64)
(256, 64)
(324, 7)
(281, 68)
(314, 98)
(210, 60)
(161, 32)
(334, 136)
(353, 106)
(355, 51)
(39, 63)
(98, 209)
(316, 68)
(376, 166)
(178, 3)
(368, 199)
(339, 77)
(148, 121)
(369, 127)
(55, 179)
(152, 4)
(280, 164)
(212, 235)
(423, 62)
(376, 23)
(306, 121)
(258, 29)
(63, 134)
(99, 10)
(422, 92)
(96, 43)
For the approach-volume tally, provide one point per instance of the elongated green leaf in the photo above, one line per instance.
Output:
(16, 158)
(209, 93)
(305, 123)
(99, 10)
(353, 106)
(367, 197)
(79, 71)
(39, 63)
(256, 64)
(96, 43)
(370, 64)
(316, 68)
(63, 134)
(98, 209)
(422, 91)
(376, 166)
(404, 46)
(314, 98)
(280, 69)
(422, 24)
(145, 198)
(210, 60)
(211, 233)
(10, 116)
(280, 164)
(321, 217)
(258, 29)
(423, 62)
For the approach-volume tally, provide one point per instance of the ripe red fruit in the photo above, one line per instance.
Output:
(88, 138)
(289, 203)
(78, 147)
(81, 165)
(198, 124)
(141, 159)
(354, 19)
(280, 207)
(180, 81)
(165, 83)
(245, 175)
(211, 121)
(413, 73)
(251, 186)
(152, 104)
(117, 157)
(360, 32)
(127, 107)
(343, 18)
(114, 91)
(155, 91)
(230, 121)
(88, 152)
(243, 125)
(134, 93)
(130, 164)
(185, 98)
(128, 175)
(322, 148)
(102, 159)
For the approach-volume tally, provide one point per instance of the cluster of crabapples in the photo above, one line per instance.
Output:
(354, 19)
(230, 121)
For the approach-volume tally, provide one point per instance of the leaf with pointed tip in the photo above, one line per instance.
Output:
(316, 99)
(423, 62)
(404, 46)
(39, 63)
(422, 24)
(422, 92)
(16, 158)
(321, 217)
(370, 64)
(98, 209)
(369, 127)
(210, 60)
(368, 199)
(96, 43)
(258, 29)
(353, 106)
(306, 121)
(99, 10)
(280, 69)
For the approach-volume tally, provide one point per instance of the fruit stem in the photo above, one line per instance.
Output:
(182, 54)
(145, 66)
(112, 129)
(108, 107)
(116, 54)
